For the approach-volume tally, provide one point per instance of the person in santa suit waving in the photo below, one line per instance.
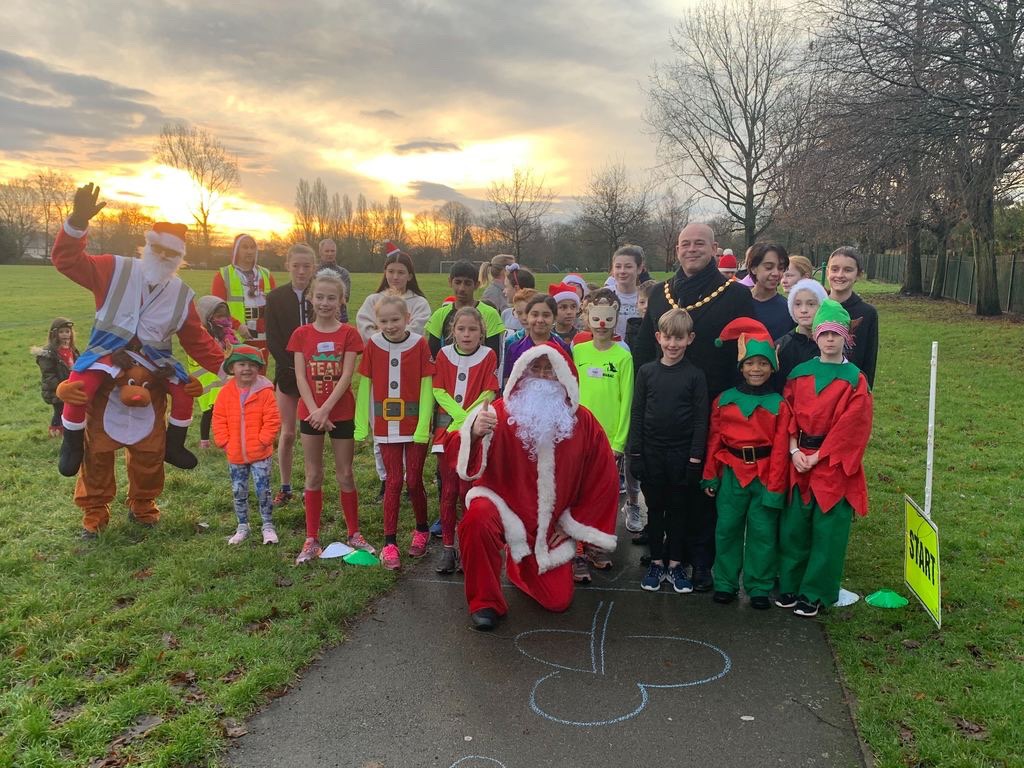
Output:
(543, 477)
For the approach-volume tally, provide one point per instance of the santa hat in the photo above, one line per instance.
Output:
(565, 370)
(752, 340)
(727, 261)
(831, 316)
(390, 249)
(168, 235)
(573, 279)
(805, 284)
(244, 352)
(238, 242)
(563, 292)
(728, 252)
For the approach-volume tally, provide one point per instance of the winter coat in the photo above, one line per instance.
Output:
(53, 371)
(246, 431)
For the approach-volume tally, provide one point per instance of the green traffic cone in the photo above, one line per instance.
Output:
(360, 557)
(886, 598)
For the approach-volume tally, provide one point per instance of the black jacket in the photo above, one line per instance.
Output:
(793, 349)
(864, 324)
(284, 314)
(53, 372)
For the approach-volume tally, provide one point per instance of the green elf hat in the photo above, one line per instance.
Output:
(752, 340)
(244, 352)
(832, 317)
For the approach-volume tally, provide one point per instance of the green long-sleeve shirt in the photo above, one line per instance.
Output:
(606, 388)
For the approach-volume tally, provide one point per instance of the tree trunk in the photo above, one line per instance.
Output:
(912, 283)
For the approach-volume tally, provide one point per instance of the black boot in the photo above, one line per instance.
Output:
(175, 452)
(72, 451)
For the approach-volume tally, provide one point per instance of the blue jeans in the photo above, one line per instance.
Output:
(260, 471)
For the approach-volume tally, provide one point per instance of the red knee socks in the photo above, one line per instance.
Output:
(314, 507)
(350, 507)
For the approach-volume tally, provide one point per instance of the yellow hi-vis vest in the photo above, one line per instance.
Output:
(236, 293)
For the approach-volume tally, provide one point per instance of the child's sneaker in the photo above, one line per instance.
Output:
(241, 534)
(311, 550)
(597, 557)
(806, 608)
(57, 431)
(655, 575)
(760, 603)
(723, 598)
(680, 583)
(786, 600)
(390, 557)
(580, 570)
(269, 534)
(204, 444)
(634, 523)
(435, 529)
(282, 497)
(702, 580)
(356, 541)
(418, 547)
(449, 561)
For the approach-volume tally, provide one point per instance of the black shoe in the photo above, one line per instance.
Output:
(645, 560)
(786, 600)
(485, 619)
(380, 496)
(723, 598)
(72, 451)
(449, 561)
(88, 535)
(175, 452)
(702, 580)
(806, 608)
(641, 538)
(760, 603)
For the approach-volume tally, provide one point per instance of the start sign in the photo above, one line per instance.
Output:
(921, 560)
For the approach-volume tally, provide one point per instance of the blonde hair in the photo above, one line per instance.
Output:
(331, 278)
(523, 294)
(390, 300)
(472, 312)
(676, 322)
(646, 287)
(495, 268)
(801, 264)
(299, 249)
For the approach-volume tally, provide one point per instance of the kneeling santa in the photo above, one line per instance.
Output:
(543, 478)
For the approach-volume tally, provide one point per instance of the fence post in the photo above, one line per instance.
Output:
(1009, 289)
(956, 285)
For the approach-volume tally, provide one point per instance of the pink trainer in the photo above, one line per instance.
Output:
(390, 557)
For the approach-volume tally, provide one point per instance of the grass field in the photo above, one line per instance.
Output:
(149, 647)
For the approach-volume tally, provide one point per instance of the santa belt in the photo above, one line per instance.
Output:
(811, 442)
(750, 453)
(394, 409)
(253, 313)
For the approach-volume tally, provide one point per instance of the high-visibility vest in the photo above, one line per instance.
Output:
(235, 290)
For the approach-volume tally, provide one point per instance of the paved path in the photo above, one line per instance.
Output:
(623, 678)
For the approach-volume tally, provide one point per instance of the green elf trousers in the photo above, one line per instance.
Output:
(812, 548)
(741, 512)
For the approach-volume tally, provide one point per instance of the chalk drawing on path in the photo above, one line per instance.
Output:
(476, 761)
(619, 670)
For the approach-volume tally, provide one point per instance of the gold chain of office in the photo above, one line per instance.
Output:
(697, 304)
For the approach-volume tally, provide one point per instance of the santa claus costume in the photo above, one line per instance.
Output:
(396, 398)
(526, 491)
(747, 469)
(832, 413)
(461, 383)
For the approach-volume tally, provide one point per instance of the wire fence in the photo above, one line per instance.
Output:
(957, 281)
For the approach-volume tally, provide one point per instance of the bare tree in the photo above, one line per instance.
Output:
(19, 209)
(428, 230)
(456, 220)
(520, 205)
(394, 222)
(55, 193)
(614, 209)
(206, 161)
(733, 105)
(304, 211)
(670, 216)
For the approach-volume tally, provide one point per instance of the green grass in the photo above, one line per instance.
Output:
(145, 645)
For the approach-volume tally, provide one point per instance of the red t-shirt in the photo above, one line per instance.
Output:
(324, 355)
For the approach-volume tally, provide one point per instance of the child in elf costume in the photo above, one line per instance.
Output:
(747, 468)
(465, 375)
(832, 411)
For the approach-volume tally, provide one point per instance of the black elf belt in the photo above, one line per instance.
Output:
(811, 442)
(395, 409)
(750, 453)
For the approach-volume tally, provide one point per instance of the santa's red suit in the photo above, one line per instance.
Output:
(517, 501)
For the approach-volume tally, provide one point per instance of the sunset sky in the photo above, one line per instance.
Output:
(429, 101)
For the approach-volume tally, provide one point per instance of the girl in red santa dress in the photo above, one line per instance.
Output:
(465, 375)
(325, 359)
(396, 397)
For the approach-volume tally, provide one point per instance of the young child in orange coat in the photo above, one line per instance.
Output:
(245, 424)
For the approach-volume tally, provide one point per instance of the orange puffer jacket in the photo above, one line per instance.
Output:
(246, 431)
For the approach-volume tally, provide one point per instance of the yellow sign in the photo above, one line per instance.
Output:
(921, 560)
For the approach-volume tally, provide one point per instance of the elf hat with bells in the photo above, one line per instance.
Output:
(752, 340)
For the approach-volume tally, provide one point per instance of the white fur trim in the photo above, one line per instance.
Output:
(566, 296)
(73, 231)
(587, 533)
(74, 426)
(515, 531)
(465, 445)
(562, 372)
(166, 240)
(563, 553)
(178, 422)
(805, 284)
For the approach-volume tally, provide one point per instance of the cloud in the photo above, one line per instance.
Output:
(380, 114)
(426, 145)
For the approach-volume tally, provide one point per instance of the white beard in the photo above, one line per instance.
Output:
(540, 414)
(156, 270)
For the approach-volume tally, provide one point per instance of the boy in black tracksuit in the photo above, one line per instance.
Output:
(667, 437)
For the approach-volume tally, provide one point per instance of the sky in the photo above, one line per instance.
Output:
(429, 101)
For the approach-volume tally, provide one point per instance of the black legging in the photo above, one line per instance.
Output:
(58, 411)
(204, 424)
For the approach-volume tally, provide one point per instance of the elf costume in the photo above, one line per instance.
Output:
(832, 411)
(461, 382)
(748, 468)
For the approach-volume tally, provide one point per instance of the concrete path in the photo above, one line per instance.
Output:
(624, 678)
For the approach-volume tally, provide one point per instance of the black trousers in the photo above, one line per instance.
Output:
(680, 523)
(205, 421)
(58, 411)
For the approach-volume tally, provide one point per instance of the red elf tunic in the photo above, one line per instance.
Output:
(758, 427)
(395, 396)
(831, 403)
(459, 382)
